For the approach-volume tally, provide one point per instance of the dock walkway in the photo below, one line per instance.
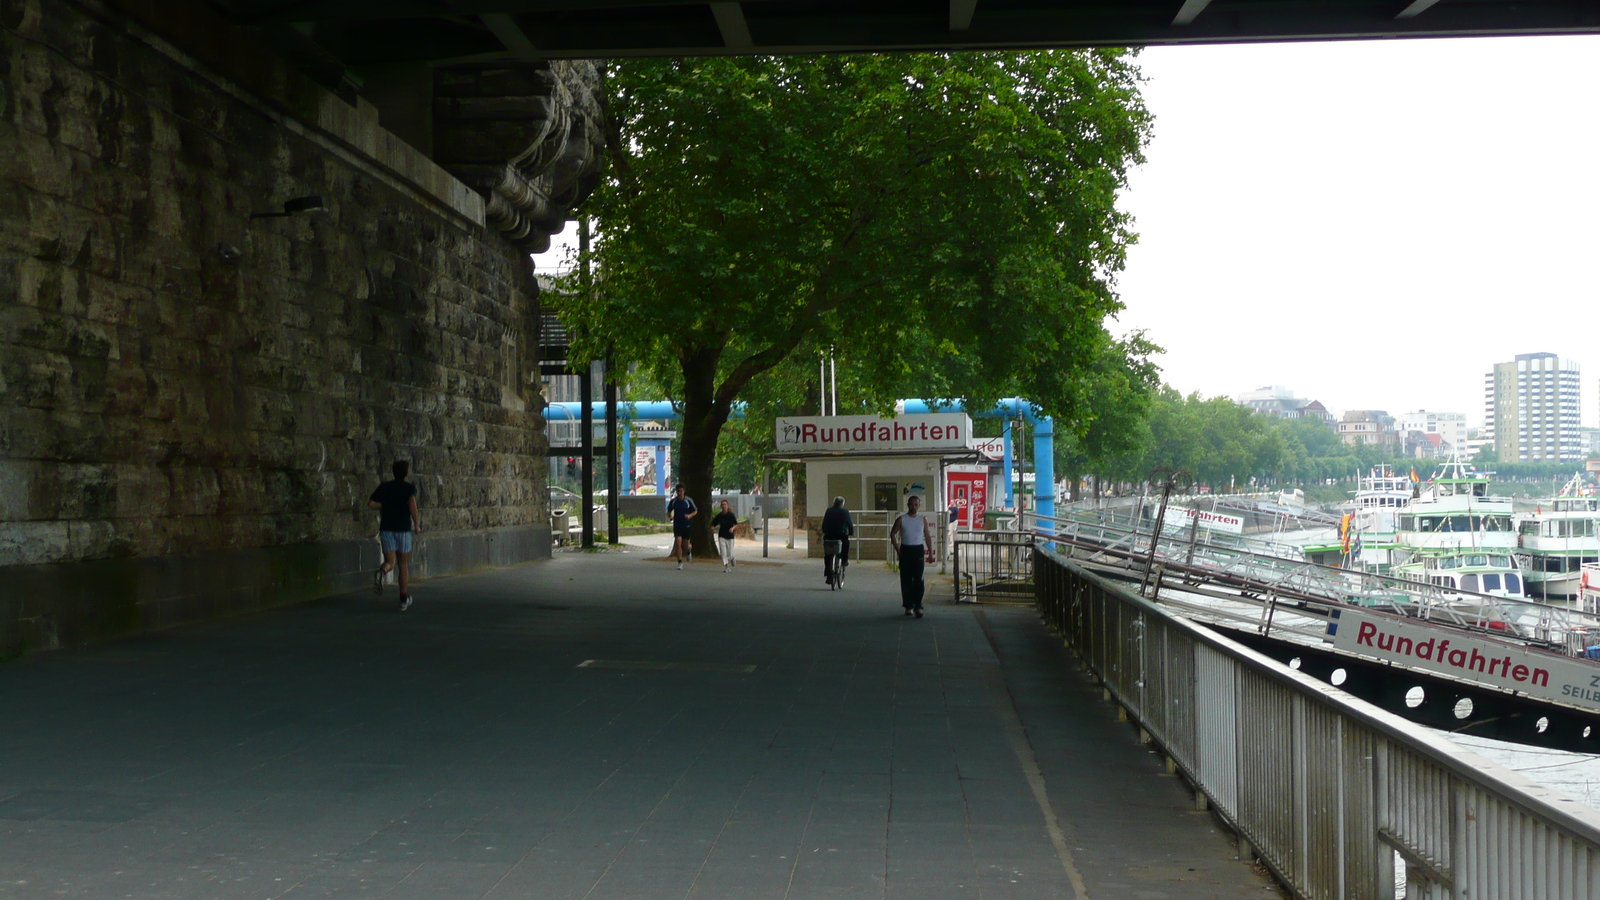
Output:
(597, 726)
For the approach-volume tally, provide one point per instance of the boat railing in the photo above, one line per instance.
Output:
(1331, 794)
(1273, 570)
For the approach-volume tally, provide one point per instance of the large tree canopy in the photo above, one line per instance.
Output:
(945, 222)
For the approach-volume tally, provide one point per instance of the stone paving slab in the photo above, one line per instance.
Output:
(461, 750)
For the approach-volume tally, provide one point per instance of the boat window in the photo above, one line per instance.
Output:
(1513, 583)
(1408, 523)
(1461, 523)
(1530, 527)
(1480, 490)
(1450, 563)
(1491, 582)
(1500, 561)
(1477, 559)
(1469, 582)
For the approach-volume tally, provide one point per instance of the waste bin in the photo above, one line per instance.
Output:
(560, 522)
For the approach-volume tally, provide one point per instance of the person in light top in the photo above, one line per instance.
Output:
(913, 544)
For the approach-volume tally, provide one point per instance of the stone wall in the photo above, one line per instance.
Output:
(195, 405)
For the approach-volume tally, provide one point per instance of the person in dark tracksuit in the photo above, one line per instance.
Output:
(913, 544)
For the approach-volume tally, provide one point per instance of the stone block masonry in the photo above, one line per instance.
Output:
(194, 405)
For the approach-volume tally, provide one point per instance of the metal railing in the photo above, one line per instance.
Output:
(1327, 791)
(873, 527)
(1283, 570)
(993, 566)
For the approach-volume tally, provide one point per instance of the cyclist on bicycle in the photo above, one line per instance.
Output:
(836, 526)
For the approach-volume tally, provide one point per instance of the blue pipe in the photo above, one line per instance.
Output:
(1044, 443)
(1011, 500)
(625, 465)
(632, 409)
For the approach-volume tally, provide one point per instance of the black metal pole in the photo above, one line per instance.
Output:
(613, 459)
(586, 400)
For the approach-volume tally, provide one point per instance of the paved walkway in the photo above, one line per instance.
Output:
(599, 726)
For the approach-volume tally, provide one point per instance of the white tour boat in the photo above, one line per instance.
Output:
(1457, 537)
(1558, 538)
(1380, 497)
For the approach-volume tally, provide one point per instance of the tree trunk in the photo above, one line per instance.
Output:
(703, 418)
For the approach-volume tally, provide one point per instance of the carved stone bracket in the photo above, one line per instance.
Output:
(528, 136)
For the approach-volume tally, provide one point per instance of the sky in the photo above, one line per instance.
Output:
(1371, 224)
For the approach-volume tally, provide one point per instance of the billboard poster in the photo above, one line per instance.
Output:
(644, 467)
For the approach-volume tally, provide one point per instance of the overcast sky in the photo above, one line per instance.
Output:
(1371, 224)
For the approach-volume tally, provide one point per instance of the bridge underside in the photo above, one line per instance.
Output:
(359, 33)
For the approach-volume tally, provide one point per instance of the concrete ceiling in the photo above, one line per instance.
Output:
(359, 33)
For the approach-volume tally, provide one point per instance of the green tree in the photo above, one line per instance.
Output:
(1109, 439)
(945, 222)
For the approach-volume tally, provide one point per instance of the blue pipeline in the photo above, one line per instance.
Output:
(1044, 444)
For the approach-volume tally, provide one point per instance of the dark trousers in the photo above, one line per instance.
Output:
(828, 560)
(911, 586)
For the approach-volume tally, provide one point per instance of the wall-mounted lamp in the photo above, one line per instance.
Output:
(293, 207)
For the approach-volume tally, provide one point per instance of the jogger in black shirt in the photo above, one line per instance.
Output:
(398, 518)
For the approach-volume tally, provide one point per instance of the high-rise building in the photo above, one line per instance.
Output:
(1531, 408)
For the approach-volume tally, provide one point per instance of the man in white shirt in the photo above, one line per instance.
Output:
(913, 544)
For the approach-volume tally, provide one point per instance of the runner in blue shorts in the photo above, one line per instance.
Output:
(398, 519)
(681, 509)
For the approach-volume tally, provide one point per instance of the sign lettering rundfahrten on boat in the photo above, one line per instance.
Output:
(1460, 655)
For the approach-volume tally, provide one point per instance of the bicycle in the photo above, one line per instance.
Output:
(835, 559)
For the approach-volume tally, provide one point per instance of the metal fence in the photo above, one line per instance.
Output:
(871, 540)
(1329, 792)
(993, 566)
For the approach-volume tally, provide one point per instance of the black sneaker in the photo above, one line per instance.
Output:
(919, 613)
(377, 582)
(405, 602)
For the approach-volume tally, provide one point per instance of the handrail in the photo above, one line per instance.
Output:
(1315, 581)
(1326, 789)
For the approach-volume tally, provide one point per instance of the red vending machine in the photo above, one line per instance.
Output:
(968, 490)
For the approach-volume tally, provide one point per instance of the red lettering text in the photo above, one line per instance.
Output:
(1363, 636)
(1519, 673)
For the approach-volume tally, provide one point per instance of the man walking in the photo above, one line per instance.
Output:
(681, 509)
(914, 547)
(724, 522)
(398, 517)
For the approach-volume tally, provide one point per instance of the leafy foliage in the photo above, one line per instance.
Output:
(946, 223)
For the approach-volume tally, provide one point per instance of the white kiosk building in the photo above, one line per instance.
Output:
(875, 464)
